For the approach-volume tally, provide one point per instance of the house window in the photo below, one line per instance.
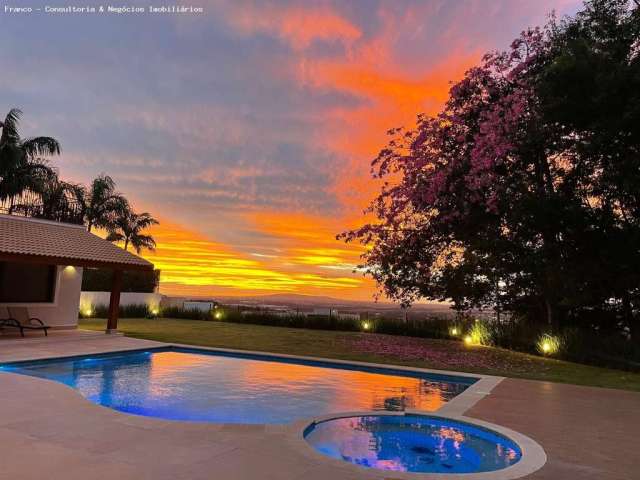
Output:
(27, 283)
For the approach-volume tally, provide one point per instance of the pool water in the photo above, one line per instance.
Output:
(199, 385)
(413, 443)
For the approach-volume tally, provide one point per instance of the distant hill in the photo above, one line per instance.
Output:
(308, 302)
(299, 299)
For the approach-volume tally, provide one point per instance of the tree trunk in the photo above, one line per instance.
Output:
(550, 247)
(634, 330)
(550, 310)
(632, 323)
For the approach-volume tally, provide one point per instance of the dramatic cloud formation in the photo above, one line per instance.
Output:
(247, 130)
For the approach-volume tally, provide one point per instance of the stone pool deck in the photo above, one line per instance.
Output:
(48, 430)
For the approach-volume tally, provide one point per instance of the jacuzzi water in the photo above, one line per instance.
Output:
(413, 443)
(196, 385)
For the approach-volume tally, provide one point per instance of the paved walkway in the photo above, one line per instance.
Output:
(62, 343)
(588, 433)
(49, 431)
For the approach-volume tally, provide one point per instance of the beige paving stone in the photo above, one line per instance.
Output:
(587, 433)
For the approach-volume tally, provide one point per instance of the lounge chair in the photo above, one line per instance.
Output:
(19, 318)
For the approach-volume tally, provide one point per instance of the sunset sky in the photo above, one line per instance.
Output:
(247, 130)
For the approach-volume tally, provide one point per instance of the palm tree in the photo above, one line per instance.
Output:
(60, 198)
(128, 228)
(102, 204)
(21, 167)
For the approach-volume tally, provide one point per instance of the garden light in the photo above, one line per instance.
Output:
(548, 344)
(454, 332)
(468, 340)
(154, 311)
(218, 315)
(87, 312)
(366, 325)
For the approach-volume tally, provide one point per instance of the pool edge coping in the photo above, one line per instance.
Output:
(532, 459)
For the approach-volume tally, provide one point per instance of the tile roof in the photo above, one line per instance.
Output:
(29, 238)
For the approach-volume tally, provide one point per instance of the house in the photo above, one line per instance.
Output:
(41, 264)
(199, 305)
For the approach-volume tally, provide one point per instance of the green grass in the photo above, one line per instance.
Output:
(368, 347)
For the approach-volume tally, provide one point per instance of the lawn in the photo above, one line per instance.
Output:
(369, 347)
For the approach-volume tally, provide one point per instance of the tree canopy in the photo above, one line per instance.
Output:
(21, 164)
(523, 193)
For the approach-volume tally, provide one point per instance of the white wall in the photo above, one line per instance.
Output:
(92, 299)
(172, 302)
(63, 312)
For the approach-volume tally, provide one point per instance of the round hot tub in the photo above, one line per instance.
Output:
(413, 443)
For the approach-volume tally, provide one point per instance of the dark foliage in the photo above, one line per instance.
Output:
(523, 194)
(99, 280)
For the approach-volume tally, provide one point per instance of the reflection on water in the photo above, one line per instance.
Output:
(203, 387)
(414, 444)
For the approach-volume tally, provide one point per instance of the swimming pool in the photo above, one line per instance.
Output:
(413, 443)
(210, 386)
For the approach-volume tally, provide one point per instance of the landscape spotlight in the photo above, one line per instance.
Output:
(218, 315)
(366, 325)
(468, 340)
(548, 344)
(454, 332)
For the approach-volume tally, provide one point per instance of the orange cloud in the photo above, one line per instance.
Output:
(300, 253)
(390, 98)
(298, 26)
(194, 265)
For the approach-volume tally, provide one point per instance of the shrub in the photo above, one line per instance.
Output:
(480, 333)
(125, 311)
(99, 280)
(186, 314)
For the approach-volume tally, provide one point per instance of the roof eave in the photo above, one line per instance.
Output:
(76, 262)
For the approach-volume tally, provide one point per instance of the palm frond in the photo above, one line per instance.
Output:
(78, 192)
(115, 237)
(102, 186)
(117, 204)
(10, 127)
(41, 146)
(11, 157)
(138, 242)
(144, 220)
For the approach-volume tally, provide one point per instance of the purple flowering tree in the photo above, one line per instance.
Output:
(504, 199)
